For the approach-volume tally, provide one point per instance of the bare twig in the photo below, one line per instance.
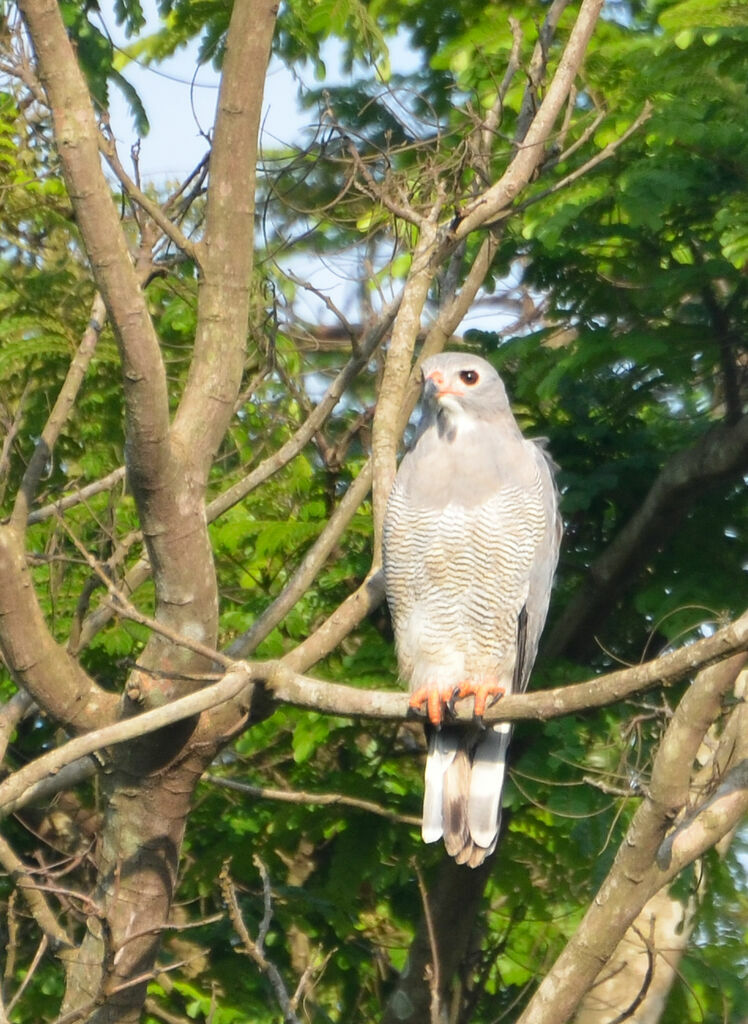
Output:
(60, 412)
(35, 899)
(537, 68)
(638, 999)
(291, 448)
(79, 497)
(290, 796)
(495, 201)
(255, 949)
(604, 154)
(434, 975)
(154, 211)
(10, 435)
(41, 949)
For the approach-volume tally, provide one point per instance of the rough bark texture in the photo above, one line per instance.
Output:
(148, 783)
(148, 777)
(646, 862)
(638, 978)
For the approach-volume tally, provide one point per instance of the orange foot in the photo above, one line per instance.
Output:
(481, 691)
(436, 698)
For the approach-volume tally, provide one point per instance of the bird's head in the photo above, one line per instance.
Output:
(459, 384)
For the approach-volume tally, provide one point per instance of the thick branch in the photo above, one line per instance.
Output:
(11, 713)
(77, 138)
(720, 455)
(227, 248)
(334, 698)
(386, 430)
(281, 684)
(13, 790)
(496, 200)
(635, 875)
(35, 660)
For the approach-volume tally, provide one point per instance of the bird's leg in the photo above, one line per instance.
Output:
(481, 691)
(435, 699)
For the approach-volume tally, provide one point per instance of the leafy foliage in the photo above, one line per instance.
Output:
(637, 273)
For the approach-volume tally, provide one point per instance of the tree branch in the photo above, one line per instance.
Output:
(79, 497)
(255, 949)
(154, 211)
(227, 249)
(77, 135)
(636, 875)
(305, 575)
(386, 429)
(494, 202)
(312, 424)
(11, 713)
(253, 684)
(35, 660)
(59, 415)
(296, 796)
(34, 897)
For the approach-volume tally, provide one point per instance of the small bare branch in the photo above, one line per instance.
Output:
(34, 897)
(321, 799)
(304, 576)
(78, 497)
(434, 973)
(254, 949)
(10, 435)
(154, 211)
(604, 154)
(41, 949)
(60, 412)
(495, 201)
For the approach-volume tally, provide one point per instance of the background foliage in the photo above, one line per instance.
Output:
(619, 311)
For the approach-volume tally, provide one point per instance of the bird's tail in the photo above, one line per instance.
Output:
(465, 771)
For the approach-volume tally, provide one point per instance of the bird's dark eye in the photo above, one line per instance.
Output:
(469, 376)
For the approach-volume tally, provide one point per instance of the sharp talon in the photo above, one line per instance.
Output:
(450, 704)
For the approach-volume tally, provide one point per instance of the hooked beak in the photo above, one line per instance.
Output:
(434, 386)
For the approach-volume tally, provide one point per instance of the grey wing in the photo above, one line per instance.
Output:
(532, 618)
(489, 758)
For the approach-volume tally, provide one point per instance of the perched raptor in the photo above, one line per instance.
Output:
(471, 538)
